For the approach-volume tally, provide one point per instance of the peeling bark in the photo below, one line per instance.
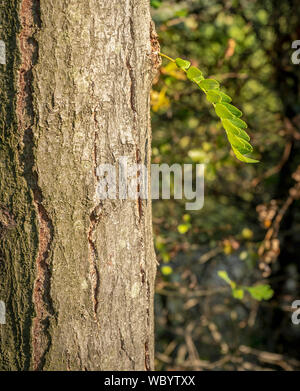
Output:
(77, 273)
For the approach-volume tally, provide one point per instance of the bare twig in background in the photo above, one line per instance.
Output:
(288, 364)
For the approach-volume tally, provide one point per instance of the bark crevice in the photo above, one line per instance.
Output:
(41, 339)
(94, 258)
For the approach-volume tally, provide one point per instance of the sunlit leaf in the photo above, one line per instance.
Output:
(239, 123)
(230, 127)
(171, 69)
(240, 144)
(166, 270)
(159, 100)
(243, 158)
(183, 64)
(223, 274)
(209, 84)
(261, 292)
(222, 111)
(155, 3)
(194, 74)
(213, 96)
(183, 228)
(228, 113)
(247, 233)
(234, 110)
(238, 293)
(225, 97)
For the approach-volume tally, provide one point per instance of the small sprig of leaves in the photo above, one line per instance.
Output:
(258, 292)
(229, 114)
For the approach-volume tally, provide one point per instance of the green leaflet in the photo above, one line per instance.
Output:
(194, 74)
(230, 127)
(216, 96)
(260, 292)
(222, 274)
(235, 111)
(213, 96)
(238, 293)
(239, 123)
(243, 158)
(229, 114)
(182, 64)
(239, 143)
(236, 135)
(209, 84)
(225, 97)
(222, 111)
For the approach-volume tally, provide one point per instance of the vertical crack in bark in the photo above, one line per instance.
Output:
(123, 348)
(94, 257)
(132, 88)
(149, 302)
(147, 357)
(147, 350)
(41, 340)
(133, 105)
(143, 274)
(41, 296)
(94, 218)
(139, 173)
(129, 67)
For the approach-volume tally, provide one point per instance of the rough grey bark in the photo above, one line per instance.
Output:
(77, 273)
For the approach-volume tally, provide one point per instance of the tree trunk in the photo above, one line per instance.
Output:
(77, 273)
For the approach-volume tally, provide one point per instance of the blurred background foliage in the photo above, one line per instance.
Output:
(249, 227)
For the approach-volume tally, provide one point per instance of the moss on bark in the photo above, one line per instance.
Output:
(19, 238)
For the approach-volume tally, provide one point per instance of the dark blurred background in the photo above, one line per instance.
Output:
(249, 226)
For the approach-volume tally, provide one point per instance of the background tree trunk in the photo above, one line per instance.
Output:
(77, 273)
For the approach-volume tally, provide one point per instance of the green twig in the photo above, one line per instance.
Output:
(167, 57)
